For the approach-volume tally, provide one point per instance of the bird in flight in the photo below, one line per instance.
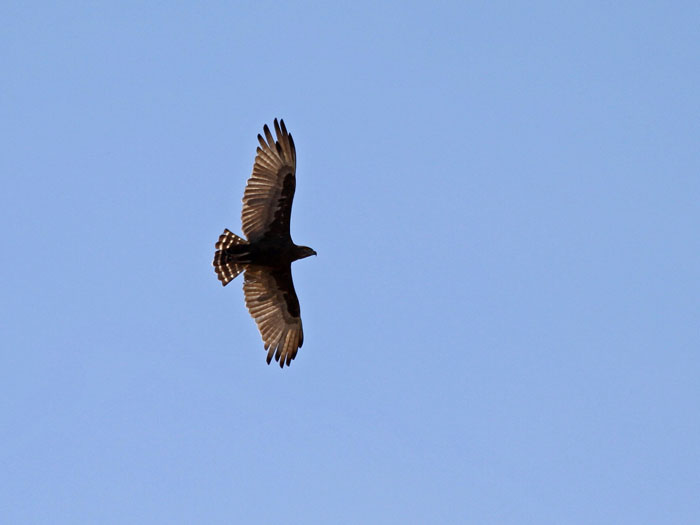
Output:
(266, 256)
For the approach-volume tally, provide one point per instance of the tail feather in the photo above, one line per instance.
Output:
(226, 264)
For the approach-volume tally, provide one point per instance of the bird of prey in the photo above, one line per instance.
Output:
(266, 256)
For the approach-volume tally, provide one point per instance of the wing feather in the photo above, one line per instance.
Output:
(273, 303)
(267, 200)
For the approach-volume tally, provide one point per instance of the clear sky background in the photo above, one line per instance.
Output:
(502, 324)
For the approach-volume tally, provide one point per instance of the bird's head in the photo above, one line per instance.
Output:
(305, 251)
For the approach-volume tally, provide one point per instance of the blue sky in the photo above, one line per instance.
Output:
(502, 323)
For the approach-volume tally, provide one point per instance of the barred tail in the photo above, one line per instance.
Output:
(226, 261)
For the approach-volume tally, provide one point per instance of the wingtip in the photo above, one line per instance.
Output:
(278, 131)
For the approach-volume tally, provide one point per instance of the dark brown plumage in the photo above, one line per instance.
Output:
(266, 256)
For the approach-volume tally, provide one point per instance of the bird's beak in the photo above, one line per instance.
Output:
(314, 252)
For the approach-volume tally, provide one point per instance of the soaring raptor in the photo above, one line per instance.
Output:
(266, 256)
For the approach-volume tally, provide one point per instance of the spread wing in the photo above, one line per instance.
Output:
(273, 303)
(267, 200)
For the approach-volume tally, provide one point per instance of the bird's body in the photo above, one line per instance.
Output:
(268, 252)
